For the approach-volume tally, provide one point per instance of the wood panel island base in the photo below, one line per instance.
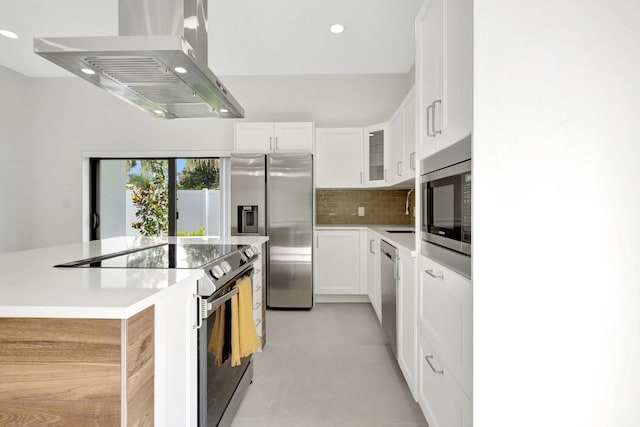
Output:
(77, 372)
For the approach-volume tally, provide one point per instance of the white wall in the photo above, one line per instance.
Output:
(556, 211)
(71, 116)
(65, 116)
(17, 168)
(329, 101)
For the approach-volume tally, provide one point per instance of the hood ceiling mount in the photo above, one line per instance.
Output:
(158, 62)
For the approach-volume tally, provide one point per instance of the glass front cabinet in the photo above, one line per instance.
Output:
(376, 153)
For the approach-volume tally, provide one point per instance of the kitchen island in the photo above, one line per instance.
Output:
(97, 346)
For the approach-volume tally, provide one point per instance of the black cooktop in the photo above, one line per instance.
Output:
(167, 255)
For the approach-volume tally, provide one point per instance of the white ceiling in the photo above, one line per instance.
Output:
(246, 37)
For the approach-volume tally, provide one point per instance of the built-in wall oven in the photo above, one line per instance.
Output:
(220, 385)
(446, 198)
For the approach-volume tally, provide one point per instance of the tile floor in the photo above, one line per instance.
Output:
(327, 367)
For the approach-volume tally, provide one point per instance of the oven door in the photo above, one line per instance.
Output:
(220, 386)
(446, 207)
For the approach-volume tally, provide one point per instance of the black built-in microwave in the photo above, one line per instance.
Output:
(446, 201)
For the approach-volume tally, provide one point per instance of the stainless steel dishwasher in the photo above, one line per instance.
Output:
(388, 284)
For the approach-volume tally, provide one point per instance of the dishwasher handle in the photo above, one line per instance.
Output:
(396, 268)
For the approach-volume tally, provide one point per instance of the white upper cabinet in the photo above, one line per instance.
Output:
(429, 70)
(253, 137)
(396, 147)
(444, 73)
(295, 137)
(339, 158)
(376, 152)
(409, 135)
(402, 141)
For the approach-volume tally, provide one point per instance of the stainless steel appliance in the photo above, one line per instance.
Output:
(281, 186)
(388, 285)
(220, 386)
(446, 197)
(157, 62)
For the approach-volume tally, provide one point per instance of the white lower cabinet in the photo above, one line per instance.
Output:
(406, 308)
(372, 249)
(337, 262)
(445, 317)
(441, 398)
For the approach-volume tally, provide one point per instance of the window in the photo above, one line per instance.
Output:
(156, 197)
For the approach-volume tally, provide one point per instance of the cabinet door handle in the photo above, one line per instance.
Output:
(386, 174)
(372, 248)
(399, 168)
(428, 359)
(360, 177)
(270, 143)
(429, 120)
(432, 274)
(433, 116)
(317, 243)
(396, 269)
(412, 161)
(276, 142)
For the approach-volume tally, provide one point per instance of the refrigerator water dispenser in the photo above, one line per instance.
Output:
(248, 219)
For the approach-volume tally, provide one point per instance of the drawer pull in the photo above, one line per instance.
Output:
(430, 273)
(258, 321)
(257, 306)
(257, 289)
(428, 359)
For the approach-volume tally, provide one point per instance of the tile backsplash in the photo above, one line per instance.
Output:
(380, 207)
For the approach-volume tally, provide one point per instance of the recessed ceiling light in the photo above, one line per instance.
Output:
(88, 71)
(224, 110)
(336, 28)
(180, 70)
(9, 34)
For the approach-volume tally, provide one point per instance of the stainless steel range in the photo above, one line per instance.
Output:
(220, 386)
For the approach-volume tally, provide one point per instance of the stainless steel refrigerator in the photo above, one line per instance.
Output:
(272, 195)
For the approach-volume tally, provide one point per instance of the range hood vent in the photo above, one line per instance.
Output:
(156, 63)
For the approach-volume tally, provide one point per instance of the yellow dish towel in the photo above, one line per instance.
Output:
(244, 339)
(216, 343)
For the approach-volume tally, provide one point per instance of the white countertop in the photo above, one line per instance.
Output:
(402, 240)
(31, 287)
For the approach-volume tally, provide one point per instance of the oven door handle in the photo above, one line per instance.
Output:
(211, 306)
(199, 314)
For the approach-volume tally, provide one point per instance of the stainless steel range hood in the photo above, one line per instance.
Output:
(158, 62)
